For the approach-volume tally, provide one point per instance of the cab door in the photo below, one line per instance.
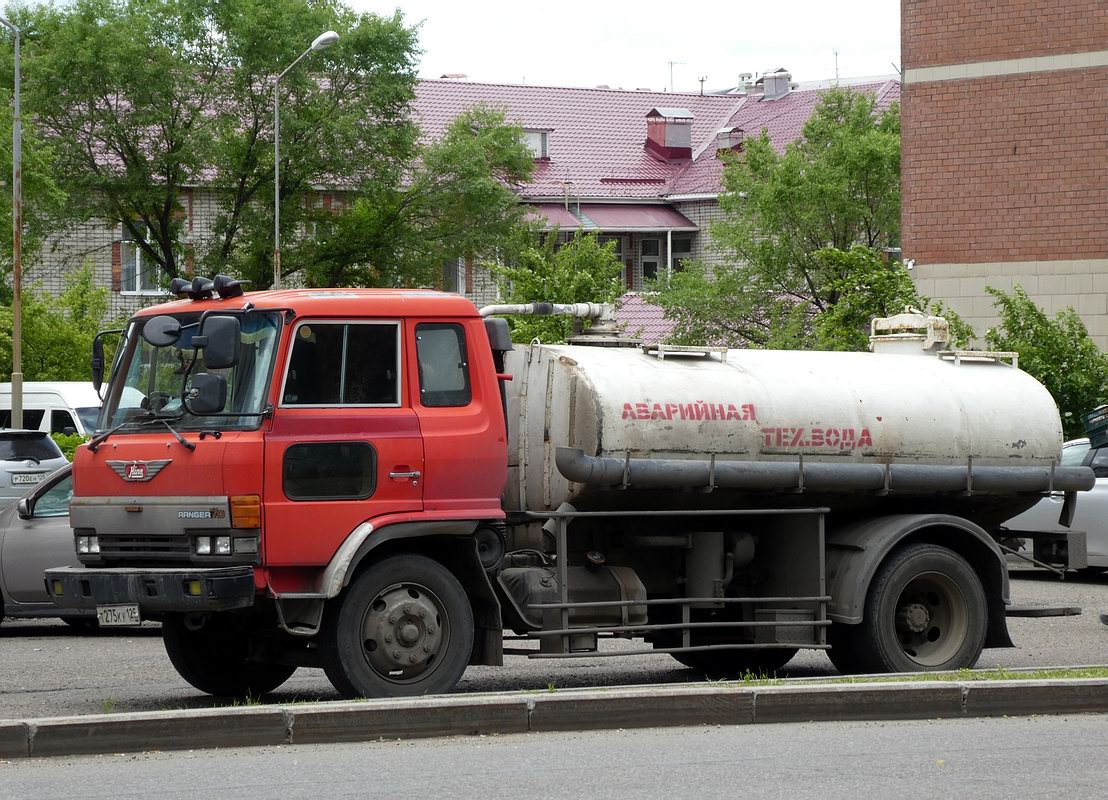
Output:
(344, 446)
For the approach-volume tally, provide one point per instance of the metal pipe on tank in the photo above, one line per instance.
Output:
(651, 473)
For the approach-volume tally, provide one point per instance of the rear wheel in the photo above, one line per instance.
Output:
(735, 663)
(403, 627)
(215, 658)
(925, 611)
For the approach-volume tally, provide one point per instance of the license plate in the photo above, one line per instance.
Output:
(27, 477)
(116, 616)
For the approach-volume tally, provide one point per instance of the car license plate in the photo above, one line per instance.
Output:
(27, 477)
(115, 616)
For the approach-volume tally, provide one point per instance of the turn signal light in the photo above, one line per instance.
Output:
(246, 511)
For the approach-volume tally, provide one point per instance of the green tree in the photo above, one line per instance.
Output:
(142, 98)
(457, 202)
(536, 269)
(867, 287)
(835, 187)
(57, 330)
(1058, 352)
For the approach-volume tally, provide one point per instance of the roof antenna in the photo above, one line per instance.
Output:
(671, 63)
(702, 78)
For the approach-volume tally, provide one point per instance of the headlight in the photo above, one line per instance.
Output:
(223, 545)
(203, 545)
(93, 545)
(246, 545)
(82, 545)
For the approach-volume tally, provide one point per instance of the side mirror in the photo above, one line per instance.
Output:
(208, 394)
(97, 364)
(68, 430)
(161, 331)
(24, 508)
(219, 337)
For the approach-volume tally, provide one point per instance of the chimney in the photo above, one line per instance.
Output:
(729, 139)
(669, 134)
(775, 84)
(746, 83)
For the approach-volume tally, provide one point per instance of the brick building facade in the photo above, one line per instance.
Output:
(1005, 153)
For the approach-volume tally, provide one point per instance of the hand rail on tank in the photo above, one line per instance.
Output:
(565, 630)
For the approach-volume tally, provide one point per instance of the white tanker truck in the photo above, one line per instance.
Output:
(379, 483)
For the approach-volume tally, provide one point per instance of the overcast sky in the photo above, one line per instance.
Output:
(630, 44)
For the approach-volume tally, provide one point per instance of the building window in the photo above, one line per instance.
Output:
(650, 256)
(344, 364)
(681, 251)
(536, 142)
(451, 276)
(618, 251)
(140, 273)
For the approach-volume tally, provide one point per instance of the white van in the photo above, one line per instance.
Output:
(53, 406)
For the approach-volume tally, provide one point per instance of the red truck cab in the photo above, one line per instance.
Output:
(254, 448)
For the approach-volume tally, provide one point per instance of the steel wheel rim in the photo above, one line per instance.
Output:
(931, 619)
(404, 633)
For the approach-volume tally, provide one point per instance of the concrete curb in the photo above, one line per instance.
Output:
(566, 710)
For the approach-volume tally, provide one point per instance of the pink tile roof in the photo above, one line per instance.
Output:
(783, 119)
(596, 136)
(641, 319)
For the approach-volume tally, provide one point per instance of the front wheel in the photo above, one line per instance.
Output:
(215, 658)
(403, 627)
(925, 611)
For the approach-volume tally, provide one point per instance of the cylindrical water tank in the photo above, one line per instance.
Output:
(768, 406)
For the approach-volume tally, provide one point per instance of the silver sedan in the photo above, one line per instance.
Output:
(34, 536)
(1091, 515)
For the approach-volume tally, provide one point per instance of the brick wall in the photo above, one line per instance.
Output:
(1006, 168)
(964, 31)
(1005, 153)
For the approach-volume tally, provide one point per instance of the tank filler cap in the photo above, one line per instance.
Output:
(911, 331)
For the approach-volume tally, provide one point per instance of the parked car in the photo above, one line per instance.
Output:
(35, 535)
(1091, 514)
(26, 459)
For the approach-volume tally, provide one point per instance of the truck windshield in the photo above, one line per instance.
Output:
(149, 381)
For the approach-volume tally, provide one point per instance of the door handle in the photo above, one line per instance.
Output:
(413, 475)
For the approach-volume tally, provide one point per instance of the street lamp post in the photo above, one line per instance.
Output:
(17, 245)
(323, 41)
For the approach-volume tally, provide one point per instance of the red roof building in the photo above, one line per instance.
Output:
(638, 167)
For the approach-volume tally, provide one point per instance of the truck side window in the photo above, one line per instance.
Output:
(330, 471)
(352, 364)
(443, 365)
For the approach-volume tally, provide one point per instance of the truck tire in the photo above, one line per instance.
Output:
(214, 659)
(925, 611)
(736, 663)
(403, 627)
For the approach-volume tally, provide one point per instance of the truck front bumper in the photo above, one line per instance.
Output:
(152, 590)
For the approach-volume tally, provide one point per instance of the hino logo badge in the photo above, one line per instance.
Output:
(138, 471)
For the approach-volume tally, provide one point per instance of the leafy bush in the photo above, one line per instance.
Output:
(1058, 352)
(68, 442)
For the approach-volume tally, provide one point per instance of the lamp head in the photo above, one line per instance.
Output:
(324, 40)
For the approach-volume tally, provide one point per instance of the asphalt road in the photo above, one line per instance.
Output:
(48, 669)
(1036, 757)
